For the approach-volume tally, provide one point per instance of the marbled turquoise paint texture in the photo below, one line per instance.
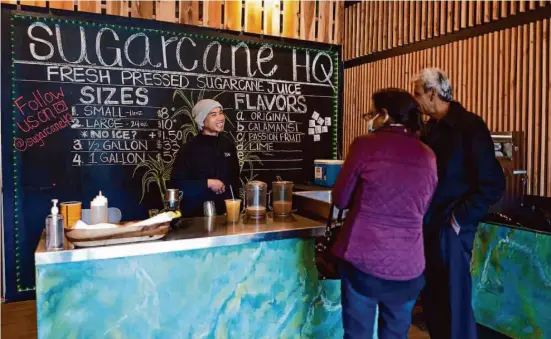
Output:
(511, 272)
(257, 290)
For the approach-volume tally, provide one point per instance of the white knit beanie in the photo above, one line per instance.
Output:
(202, 109)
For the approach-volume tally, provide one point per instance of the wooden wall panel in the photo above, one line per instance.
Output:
(253, 16)
(214, 12)
(144, 9)
(119, 8)
(319, 20)
(307, 19)
(87, 6)
(67, 5)
(189, 12)
(291, 19)
(165, 10)
(502, 76)
(397, 23)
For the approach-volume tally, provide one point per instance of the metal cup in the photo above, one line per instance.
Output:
(209, 209)
(172, 199)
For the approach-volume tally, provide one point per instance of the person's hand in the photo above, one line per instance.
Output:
(216, 186)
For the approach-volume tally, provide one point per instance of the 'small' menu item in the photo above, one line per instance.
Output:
(98, 104)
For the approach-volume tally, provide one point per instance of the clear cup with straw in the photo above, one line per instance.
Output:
(233, 208)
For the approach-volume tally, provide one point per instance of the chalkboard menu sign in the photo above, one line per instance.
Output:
(104, 105)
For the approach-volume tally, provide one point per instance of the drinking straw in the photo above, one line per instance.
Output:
(231, 190)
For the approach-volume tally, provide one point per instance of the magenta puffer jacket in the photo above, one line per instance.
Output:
(387, 182)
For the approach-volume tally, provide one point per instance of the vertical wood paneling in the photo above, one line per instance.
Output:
(495, 9)
(417, 23)
(166, 10)
(119, 8)
(503, 76)
(253, 18)
(272, 20)
(545, 185)
(291, 19)
(548, 135)
(389, 15)
(405, 22)
(213, 14)
(436, 5)
(487, 11)
(443, 6)
(504, 8)
(90, 6)
(396, 22)
(430, 19)
(233, 15)
(144, 9)
(507, 81)
(189, 11)
(456, 15)
(537, 127)
(67, 5)
(423, 20)
(530, 127)
(384, 25)
(478, 12)
(471, 14)
(36, 3)
(318, 20)
(411, 23)
(499, 78)
(339, 21)
(449, 17)
(362, 28)
(522, 6)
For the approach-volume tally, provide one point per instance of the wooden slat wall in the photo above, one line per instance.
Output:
(395, 23)
(320, 20)
(502, 76)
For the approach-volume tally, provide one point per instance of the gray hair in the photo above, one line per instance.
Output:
(436, 78)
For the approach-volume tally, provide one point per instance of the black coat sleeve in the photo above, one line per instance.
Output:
(181, 175)
(487, 174)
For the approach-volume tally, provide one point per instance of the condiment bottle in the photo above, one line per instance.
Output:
(98, 210)
(55, 237)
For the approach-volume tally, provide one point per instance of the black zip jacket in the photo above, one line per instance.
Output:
(205, 157)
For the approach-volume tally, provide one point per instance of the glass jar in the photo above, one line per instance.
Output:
(282, 197)
(255, 199)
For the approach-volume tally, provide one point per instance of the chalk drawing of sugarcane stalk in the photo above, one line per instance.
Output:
(157, 171)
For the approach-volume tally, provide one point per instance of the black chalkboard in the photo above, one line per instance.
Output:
(104, 104)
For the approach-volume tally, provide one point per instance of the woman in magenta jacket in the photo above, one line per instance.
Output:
(386, 182)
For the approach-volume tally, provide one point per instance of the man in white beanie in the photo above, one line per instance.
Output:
(207, 165)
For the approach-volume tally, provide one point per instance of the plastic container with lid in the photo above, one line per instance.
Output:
(98, 210)
(326, 172)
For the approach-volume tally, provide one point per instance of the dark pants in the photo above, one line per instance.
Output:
(359, 314)
(448, 291)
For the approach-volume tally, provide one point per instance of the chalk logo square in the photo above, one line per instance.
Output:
(60, 106)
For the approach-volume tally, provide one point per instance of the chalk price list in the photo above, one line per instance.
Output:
(122, 136)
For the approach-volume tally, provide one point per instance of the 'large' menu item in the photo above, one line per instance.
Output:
(97, 106)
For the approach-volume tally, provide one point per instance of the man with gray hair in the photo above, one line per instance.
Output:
(470, 180)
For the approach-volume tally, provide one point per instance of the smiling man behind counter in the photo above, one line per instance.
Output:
(206, 165)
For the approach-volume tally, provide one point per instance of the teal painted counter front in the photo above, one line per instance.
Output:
(265, 289)
(511, 271)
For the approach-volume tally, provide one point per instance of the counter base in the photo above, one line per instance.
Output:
(265, 289)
